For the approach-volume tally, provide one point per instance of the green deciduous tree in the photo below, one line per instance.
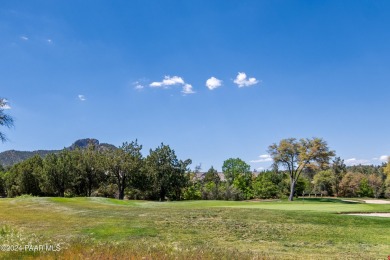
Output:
(264, 186)
(295, 156)
(243, 182)
(323, 182)
(237, 173)
(233, 167)
(364, 188)
(193, 191)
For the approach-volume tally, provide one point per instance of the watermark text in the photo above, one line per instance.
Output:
(31, 248)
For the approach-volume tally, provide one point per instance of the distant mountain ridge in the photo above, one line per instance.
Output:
(11, 157)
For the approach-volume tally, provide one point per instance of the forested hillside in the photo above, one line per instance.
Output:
(11, 157)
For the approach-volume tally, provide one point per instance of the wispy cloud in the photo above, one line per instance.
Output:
(4, 105)
(139, 87)
(140, 84)
(82, 97)
(24, 38)
(49, 41)
(213, 83)
(168, 81)
(242, 80)
(187, 89)
(354, 161)
(263, 158)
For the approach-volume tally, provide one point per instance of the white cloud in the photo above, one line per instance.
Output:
(156, 84)
(168, 81)
(263, 158)
(49, 41)
(187, 89)
(242, 81)
(173, 81)
(213, 83)
(82, 97)
(354, 161)
(24, 38)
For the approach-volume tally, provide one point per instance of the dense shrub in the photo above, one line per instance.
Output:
(264, 186)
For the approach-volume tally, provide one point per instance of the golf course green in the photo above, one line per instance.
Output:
(101, 228)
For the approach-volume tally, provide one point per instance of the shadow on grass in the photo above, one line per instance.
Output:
(326, 200)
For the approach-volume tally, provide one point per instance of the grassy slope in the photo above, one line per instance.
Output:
(98, 228)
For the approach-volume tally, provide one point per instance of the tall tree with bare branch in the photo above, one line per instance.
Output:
(296, 156)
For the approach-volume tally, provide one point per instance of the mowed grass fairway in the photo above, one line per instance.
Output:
(99, 228)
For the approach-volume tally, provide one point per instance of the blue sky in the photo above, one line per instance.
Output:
(213, 79)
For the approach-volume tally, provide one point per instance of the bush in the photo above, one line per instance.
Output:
(106, 190)
(210, 191)
(69, 194)
(323, 182)
(349, 185)
(364, 189)
(232, 193)
(135, 194)
(264, 188)
(13, 191)
(192, 192)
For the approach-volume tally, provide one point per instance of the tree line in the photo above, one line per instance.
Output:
(306, 168)
(99, 172)
(125, 172)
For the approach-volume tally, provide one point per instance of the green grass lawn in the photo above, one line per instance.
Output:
(99, 228)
